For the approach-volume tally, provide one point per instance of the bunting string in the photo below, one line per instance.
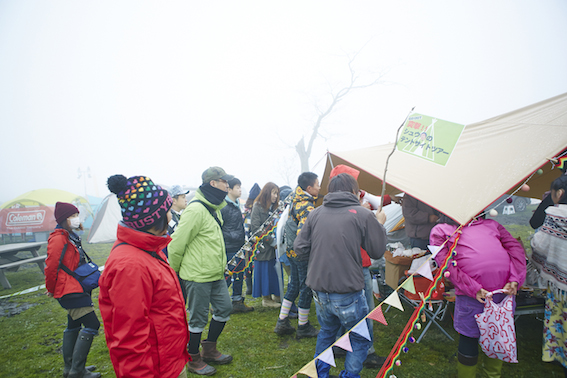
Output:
(393, 299)
(403, 338)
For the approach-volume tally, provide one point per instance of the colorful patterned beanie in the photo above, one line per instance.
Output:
(142, 202)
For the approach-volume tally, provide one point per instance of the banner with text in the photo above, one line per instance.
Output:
(429, 138)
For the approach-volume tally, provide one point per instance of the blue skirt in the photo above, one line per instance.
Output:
(265, 279)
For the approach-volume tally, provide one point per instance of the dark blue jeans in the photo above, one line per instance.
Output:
(236, 279)
(333, 311)
(296, 285)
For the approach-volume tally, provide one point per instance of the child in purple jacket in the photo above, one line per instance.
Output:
(487, 258)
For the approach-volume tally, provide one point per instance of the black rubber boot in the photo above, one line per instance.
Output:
(306, 330)
(249, 284)
(69, 340)
(284, 327)
(80, 353)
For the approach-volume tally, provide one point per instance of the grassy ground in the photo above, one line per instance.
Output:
(31, 340)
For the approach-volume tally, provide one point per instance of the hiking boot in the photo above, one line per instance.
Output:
(284, 327)
(268, 302)
(239, 306)
(210, 354)
(276, 298)
(373, 361)
(306, 330)
(198, 366)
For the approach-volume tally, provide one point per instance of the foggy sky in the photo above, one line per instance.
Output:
(166, 89)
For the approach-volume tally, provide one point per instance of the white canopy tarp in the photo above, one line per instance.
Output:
(491, 158)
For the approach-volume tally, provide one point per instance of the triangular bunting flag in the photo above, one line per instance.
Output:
(377, 315)
(310, 370)
(344, 343)
(425, 271)
(362, 329)
(328, 357)
(409, 285)
(434, 250)
(394, 300)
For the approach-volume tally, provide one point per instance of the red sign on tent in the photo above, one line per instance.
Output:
(27, 219)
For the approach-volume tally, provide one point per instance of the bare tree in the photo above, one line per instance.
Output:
(304, 151)
(287, 170)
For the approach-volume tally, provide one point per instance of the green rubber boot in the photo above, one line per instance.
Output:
(464, 371)
(492, 367)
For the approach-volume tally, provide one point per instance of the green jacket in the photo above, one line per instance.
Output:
(197, 249)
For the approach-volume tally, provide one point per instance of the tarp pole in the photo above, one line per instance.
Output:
(388, 159)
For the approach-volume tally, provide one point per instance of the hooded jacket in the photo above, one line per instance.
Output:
(331, 238)
(301, 205)
(232, 226)
(57, 282)
(142, 307)
(197, 250)
(487, 256)
(416, 215)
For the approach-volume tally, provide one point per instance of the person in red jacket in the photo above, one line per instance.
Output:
(140, 299)
(69, 292)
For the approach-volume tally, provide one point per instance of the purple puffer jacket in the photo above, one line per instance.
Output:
(488, 257)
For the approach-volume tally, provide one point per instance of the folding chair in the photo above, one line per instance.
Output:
(435, 308)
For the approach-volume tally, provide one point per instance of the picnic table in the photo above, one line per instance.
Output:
(9, 258)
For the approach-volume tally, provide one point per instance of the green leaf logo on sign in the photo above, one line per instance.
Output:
(429, 138)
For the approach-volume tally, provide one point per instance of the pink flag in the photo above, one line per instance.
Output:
(377, 315)
(344, 343)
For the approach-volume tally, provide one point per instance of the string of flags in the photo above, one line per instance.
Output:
(250, 248)
(361, 328)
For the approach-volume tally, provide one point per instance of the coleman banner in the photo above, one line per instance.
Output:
(26, 219)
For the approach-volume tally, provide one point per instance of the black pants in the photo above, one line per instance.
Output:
(468, 350)
(89, 321)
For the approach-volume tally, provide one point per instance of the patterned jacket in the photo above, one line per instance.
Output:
(301, 205)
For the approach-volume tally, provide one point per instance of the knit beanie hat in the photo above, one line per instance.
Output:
(141, 201)
(64, 210)
(254, 191)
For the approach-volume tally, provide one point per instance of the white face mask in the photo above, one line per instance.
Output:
(75, 222)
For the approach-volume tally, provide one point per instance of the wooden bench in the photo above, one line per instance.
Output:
(40, 260)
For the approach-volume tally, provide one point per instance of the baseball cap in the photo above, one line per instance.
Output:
(215, 173)
(176, 190)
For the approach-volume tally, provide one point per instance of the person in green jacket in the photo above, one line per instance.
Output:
(197, 254)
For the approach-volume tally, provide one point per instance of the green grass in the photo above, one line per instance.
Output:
(31, 340)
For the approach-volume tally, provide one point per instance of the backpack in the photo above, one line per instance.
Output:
(290, 232)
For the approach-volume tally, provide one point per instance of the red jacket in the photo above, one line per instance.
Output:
(57, 282)
(142, 307)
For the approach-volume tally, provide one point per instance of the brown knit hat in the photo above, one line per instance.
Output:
(64, 210)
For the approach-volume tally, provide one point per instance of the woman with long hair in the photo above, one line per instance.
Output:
(64, 249)
(140, 299)
(265, 276)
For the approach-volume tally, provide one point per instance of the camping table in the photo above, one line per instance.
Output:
(9, 258)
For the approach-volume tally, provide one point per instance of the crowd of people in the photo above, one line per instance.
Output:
(167, 271)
